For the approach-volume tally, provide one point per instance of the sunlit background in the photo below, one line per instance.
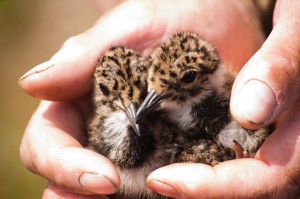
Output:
(31, 32)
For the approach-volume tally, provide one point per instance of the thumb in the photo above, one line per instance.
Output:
(270, 81)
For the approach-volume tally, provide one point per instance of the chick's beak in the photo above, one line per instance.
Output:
(131, 114)
(151, 102)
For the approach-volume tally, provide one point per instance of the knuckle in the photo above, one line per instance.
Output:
(72, 41)
(78, 40)
(77, 46)
(291, 66)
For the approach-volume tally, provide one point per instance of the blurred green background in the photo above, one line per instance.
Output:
(31, 32)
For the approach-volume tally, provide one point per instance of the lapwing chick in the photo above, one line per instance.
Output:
(120, 85)
(187, 80)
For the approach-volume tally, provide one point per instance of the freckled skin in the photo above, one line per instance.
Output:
(186, 126)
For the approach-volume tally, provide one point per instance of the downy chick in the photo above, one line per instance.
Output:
(120, 85)
(194, 87)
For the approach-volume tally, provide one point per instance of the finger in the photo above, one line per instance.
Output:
(270, 81)
(50, 148)
(202, 181)
(53, 191)
(68, 74)
(269, 175)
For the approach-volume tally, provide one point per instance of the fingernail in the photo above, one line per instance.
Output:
(256, 102)
(162, 188)
(38, 69)
(97, 183)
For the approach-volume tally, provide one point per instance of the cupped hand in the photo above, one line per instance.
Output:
(273, 173)
(53, 143)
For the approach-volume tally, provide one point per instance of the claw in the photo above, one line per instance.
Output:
(214, 163)
(239, 150)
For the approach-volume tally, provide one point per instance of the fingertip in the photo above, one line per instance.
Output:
(83, 171)
(55, 82)
(67, 75)
(53, 148)
(158, 181)
(162, 188)
(263, 89)
(94, 173)
(97, 182)
(254, 104)
(177, 179)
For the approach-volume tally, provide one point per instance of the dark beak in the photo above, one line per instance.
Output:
(131, 114)
(151, 102)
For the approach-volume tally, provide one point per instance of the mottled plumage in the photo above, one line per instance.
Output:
(172, 107)
(120, 83)
(187, 73)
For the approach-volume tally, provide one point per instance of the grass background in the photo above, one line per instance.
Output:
(31, 32)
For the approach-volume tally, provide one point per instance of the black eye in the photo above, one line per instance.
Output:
(104, 89)
(189, 76)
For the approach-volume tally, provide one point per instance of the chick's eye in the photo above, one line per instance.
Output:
(104, 89)
(189, 76)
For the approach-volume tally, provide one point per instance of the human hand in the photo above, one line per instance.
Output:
(266, 90)
(53, 143)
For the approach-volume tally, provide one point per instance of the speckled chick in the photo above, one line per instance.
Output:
(193, 88)
(120, 85)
